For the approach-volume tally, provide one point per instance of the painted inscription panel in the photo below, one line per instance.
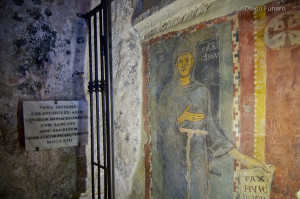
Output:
(255, 183)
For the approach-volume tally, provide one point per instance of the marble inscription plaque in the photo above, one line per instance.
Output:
(50, 124)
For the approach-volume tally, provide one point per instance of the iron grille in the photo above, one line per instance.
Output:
(100, 90)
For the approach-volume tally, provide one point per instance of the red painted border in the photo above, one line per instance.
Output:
(246, 46)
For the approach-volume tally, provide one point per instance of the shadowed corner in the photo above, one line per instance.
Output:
(78, 88)
(20, 124)
(81, 172)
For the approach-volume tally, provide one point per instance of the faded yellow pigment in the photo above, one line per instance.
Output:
(260, 85)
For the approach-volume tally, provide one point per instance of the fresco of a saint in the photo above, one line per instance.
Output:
(188, 136)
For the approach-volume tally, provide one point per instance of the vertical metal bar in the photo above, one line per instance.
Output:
(101, 42)
(91, 90)
(103, 99)
(109, 110)
(97, 89)
(108, 167)
(106, 88)
(111, 99)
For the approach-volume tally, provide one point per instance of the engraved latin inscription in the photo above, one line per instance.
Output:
(53, 125)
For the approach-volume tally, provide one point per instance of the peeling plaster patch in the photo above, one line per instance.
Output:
(22, 70)
(36, 44)
(16, 17)
(38, 85)
(28, 88)
(47, 12)
(80, 40)
(34, 13)
(20, 42)
(76, 73)
(42, 41)
(18, 2)
(1, 139)
(49, 1)
(6, 117)
(132, 46)
(36, 2)
(31, 29)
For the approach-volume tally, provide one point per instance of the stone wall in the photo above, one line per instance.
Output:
(127, 95)
(42, 57)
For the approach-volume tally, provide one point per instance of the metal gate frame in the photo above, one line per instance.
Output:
(101, 45)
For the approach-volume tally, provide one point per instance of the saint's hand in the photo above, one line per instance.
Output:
(188, 116)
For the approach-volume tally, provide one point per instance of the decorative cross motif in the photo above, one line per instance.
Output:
(283, 31)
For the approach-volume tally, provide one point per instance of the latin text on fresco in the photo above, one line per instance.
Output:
(256, 183)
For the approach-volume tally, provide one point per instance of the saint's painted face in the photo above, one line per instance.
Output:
(184, 64)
